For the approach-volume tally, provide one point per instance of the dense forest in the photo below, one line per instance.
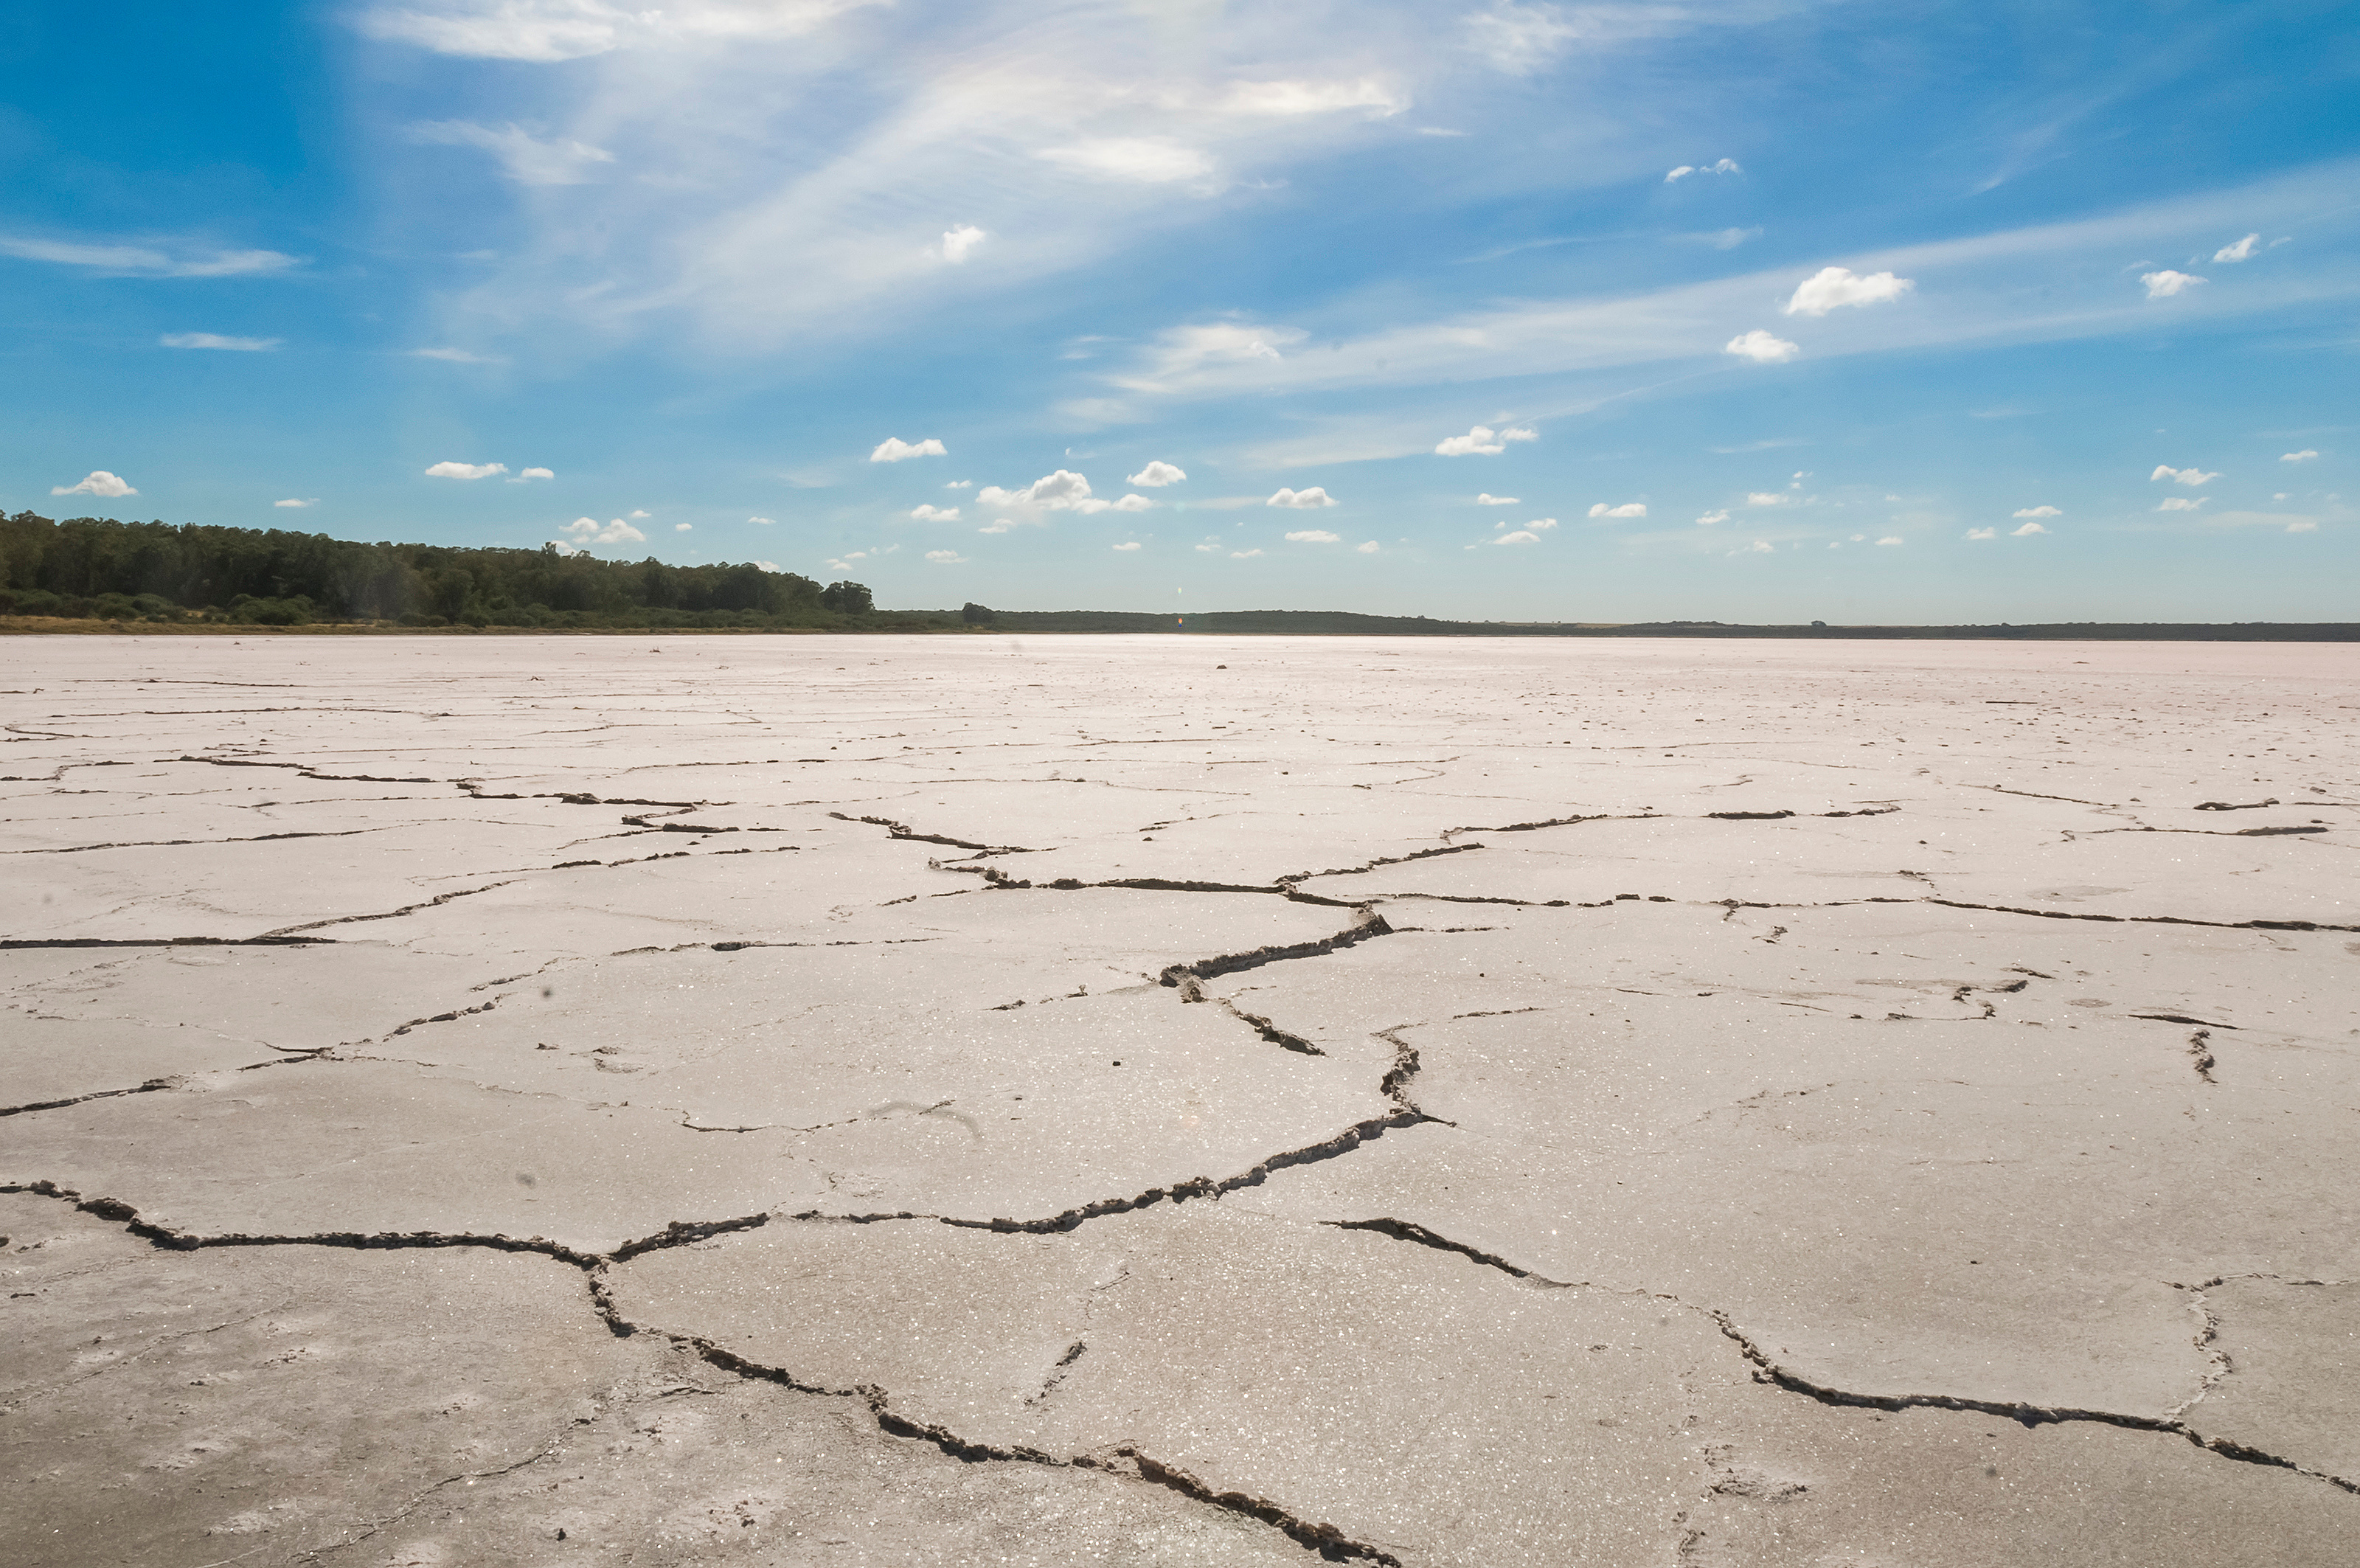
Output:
(86, 567)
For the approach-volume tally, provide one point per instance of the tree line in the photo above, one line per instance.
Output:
(87, 567)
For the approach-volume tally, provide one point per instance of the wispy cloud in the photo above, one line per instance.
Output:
(215, 340)
(524, 158)
(148, 260)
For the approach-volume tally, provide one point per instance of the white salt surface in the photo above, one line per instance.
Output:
(1179, 1100)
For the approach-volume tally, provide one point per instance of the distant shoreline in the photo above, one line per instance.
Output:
(1250, 623)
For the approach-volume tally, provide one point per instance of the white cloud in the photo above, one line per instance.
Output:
(2181, 503)
(769, 566)
(534, 474)
(765, 521)
(215, 340)
(2040, 512)
(587, 532)
(1060, 491)
(1311, 97)
(1519, 537)
(292, 502)
(636, 514)
(1490, 500)
(1482, 441)
(960, 242)
(1157, 475)
(98, 482)
(1769, 499)
(2164, 284)
(1895, 539)
(1761, 547)
(1762, 347)
(465, 470)
(960, 485)
(893, 449)
(144, 261)
(1725, 166)
(1983, 533)
(1148, 160)
(676, 528)
(1520, 38)
(1628, 508)
(2303, 525)
(1311, 500)
(946, 557)
(545, 31)
(997, 525)
(2305, 456)
(1127, 503)
(1831, 288)
(2241, 251)
(1244, 554)
(1720, 515)
(935, 513)
(2181, 475)
(456, 357)
(1542, 524)
(1129, 544)
(1370, 548)
(1313, 536)
(523, 156)
(2026, 531)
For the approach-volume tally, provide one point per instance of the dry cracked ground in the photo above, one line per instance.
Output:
(1179, 1102)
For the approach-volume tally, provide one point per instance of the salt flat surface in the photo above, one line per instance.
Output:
(1178, 1100)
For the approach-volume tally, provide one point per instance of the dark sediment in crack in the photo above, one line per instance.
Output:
(1768, 1371)
(2199, 1051)
(149, 1087)
(1271, 1032)
(1372, 925)
(272, 940)
(439, 898)
(1292, 878)
(902, 831)
(1404, 1231)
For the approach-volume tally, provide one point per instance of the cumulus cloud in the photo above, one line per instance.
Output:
(534, 474)
(1725, 166)
(769, 566)
(1311, 500)
(215, 340)
(960, 485)
(1983, 533)
(2164, 284)
(144, 261)
(935, 513)
(1156, 475)
(2040, 512)
(1628, 508)
(312, 501)
(2305, 456)
(1831, 288)
(523, 156)
(1520, 537)
(465, 470)
(997, 525)
(1761, 547)
(765, 521)
(1762, 347)
(1718, 515)
(1895, 539)
(2242, 251)
(1313, 536)
(893, 449)
(587, 531)
(2026, 531)
(1060, 491)
(1492, 500)
(456, 357)
(1482, 441)
(946, 557)
(1244, 554)
(1129, 544)
(97, 482)
(2181, 503)
(2181, 475)
(1148, 160)
(676, 528)
(1370, 548)
(1769, 499)
(960, 242)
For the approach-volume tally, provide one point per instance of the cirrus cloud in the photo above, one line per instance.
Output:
(215, 340)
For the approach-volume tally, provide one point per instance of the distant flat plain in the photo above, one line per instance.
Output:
(1154, 1099)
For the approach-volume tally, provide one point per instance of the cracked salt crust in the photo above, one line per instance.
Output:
(1065, 1100)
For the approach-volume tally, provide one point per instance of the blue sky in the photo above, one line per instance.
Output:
(1763, 311)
